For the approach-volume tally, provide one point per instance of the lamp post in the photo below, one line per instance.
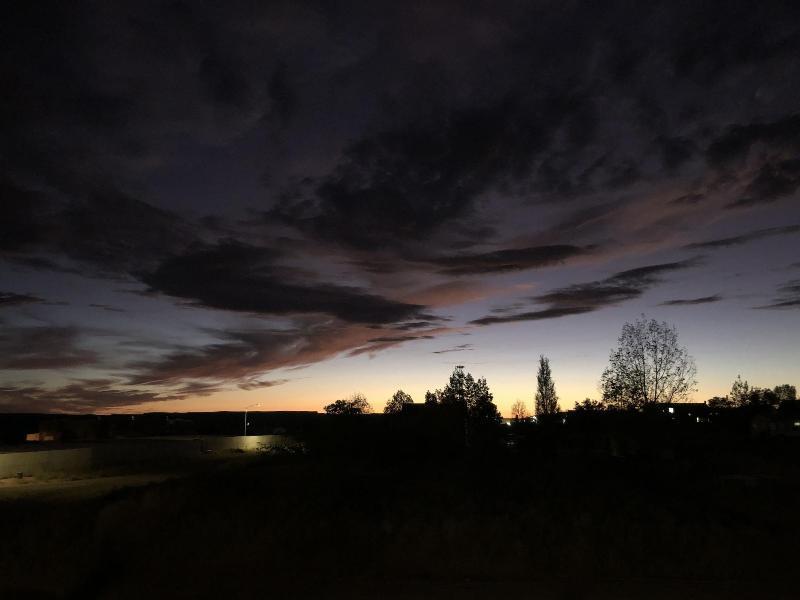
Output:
(246, 408)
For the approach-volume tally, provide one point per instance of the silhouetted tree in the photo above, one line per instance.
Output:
(396, 402)
(648, 366)
(432, 398)
(473, 395)
(546, 398)
(519, 412)
(719, 402)
(589, 405)
(458, 389)
(740, 392)
(481, 408)
(765, 397)
(355, 405)
(785, 392)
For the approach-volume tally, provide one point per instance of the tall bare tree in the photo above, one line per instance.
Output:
(648, 366)
(519, 411)
(546, 398)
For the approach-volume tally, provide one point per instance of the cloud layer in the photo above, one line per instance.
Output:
(234, 190)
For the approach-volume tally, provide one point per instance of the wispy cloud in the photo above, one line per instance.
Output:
(83, 396)
(510, 259)
(788, 296)
(43, 348)
(459, 348)
(255, 384)
(107, 307)
(692, 301)
(13, 299)
(744, 238)
(587, 297)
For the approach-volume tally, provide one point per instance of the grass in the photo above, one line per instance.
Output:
(317, 526)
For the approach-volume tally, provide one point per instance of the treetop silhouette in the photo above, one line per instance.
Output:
(648, 366)
(546, 398)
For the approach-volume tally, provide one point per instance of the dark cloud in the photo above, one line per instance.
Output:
(195, 388)
(622, 175)
(718, 40)
(43, 348)
(587, 297)
(41, 263)
(67, 125)
(282, 95)
(744, 238)
(238, 277)
(83, 396)
(403, 184)
(121, 233)
(534, 315)
(398, 338)
(239, 356)
(693, 301)
(675, 151)
(73, 398)
(771, 147)
(414, 325)
(617, 288)
(774, 180)
(257, 385)
(235, 356)
(688, 199)
(101, 91)
(508, 309)
(459, 348)
(585, 218)
(224, 81)
(735, 143)
(788, 296)
(108, 231)
(107, 307)
(13, 299)
(407, 182)
(511, 259)
(21, 217)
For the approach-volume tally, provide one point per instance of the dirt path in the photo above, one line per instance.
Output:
(70, 489)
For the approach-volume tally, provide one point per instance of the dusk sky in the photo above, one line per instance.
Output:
(204, 206)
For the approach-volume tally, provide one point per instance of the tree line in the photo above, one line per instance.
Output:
(742, 394)
(647, 367)
(462, 390)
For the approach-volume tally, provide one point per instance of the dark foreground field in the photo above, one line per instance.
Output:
(721, 524)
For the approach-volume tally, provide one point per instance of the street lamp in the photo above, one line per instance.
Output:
(246, 408)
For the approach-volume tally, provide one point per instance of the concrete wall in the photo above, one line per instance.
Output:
(49, 461)
(221, 443)
(122, 452)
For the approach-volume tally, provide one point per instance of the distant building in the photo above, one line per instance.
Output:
(43, 436)
(684, 413)
(89, 428)
(786, 419)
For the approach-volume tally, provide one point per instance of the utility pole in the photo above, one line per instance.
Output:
(246, 408)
